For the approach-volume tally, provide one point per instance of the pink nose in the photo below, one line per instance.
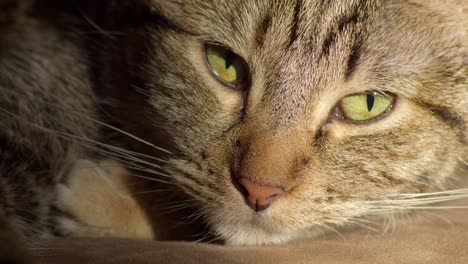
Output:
(259, 197)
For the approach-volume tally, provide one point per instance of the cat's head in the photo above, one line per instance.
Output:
(288, 117)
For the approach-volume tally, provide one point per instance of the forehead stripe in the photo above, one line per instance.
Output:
(297, 11)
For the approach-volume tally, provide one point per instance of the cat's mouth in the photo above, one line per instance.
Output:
(238, 224)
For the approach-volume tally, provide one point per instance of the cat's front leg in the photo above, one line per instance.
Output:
(96, 201)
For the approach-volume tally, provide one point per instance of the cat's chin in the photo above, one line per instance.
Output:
(250, 235)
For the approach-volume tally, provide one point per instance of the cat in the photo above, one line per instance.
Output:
(244, 122)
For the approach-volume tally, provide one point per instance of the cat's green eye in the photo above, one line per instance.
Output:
(366, 106)
(227, 66)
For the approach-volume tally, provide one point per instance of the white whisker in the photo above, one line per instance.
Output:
(126, 134)
(98, 28)
(119, 153)
(90, 119)
(150, 191)
(149, 171)
(195, 216)
(456, 191)
(333, 230)
(141, 90)
(176, 208)
(463, 161)
(391, 208)
(417, 201)
(149, 178)
(360, 222)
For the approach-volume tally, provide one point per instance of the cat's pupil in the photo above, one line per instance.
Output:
(229, 59)
(370, 102)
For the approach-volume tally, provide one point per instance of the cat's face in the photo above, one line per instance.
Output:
(335, 104)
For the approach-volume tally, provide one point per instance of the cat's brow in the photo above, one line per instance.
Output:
(349, 19)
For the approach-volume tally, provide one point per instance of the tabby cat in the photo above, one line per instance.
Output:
(248, 122)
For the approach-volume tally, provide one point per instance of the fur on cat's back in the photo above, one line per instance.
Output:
(45, 95)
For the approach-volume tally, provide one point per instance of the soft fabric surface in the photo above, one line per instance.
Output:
(435, 236)
(423, 244)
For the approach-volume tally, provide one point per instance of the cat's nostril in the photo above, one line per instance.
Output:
(259, 197)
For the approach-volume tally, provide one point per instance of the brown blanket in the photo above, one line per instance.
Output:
(431, 236)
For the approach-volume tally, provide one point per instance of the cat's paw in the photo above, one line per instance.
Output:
(96, 201)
